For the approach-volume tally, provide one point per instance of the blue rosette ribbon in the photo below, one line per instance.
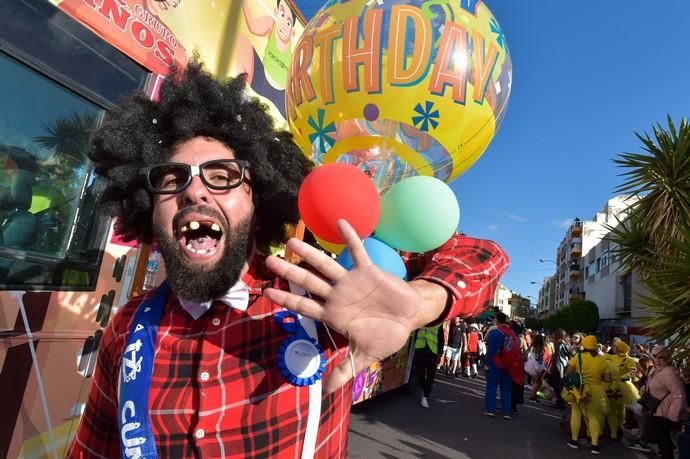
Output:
(300, 359)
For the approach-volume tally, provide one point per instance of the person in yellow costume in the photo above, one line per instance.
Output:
(627, 367)
(590, 401)
(615, 416)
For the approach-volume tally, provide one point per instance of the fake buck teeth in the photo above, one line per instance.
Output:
(195, 225)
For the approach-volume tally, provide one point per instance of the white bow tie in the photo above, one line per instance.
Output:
(237, 297)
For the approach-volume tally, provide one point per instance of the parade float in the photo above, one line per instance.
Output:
(411, 93)
(63, 270)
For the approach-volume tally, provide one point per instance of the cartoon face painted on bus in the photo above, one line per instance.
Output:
(267, 70)
(285, 22)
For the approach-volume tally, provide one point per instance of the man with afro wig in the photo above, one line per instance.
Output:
(238, 354)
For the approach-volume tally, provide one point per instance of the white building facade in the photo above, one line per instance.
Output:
(579, 239)
(615, 292)
(546, 304)
(588, 268)
(502, 299)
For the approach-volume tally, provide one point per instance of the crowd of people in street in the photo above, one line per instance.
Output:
(605, 389)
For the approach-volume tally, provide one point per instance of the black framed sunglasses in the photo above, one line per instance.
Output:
(217, 174)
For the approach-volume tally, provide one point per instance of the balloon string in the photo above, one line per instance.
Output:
(350, 355)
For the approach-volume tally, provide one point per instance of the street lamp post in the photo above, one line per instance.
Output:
(544, 260)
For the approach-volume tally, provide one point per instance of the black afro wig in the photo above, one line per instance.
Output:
(140, 132)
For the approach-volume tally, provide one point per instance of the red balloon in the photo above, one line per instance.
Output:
(334, 191)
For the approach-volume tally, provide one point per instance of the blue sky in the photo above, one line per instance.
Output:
(586, 76)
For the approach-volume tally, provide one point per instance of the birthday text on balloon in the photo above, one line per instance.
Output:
(452, 65)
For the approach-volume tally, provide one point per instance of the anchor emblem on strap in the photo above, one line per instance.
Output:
(131, 364)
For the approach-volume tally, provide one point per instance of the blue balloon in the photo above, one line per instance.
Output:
(381, 254)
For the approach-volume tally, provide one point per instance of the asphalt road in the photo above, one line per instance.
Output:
(394, 425)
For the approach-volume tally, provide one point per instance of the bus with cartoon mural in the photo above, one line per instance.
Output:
(63, 269)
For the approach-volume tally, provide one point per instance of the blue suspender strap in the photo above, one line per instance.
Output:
(136, 433)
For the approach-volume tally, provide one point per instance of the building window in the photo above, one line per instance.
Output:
(591, 269)
(627, 292)
(603, 261)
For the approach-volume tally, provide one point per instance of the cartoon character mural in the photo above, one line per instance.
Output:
(267, 75)
(231, 36)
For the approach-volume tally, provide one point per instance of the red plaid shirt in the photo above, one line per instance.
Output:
(216, 390)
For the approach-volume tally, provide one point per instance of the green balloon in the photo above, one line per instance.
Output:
(418, 214)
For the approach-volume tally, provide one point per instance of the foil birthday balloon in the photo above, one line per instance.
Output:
(399, 88)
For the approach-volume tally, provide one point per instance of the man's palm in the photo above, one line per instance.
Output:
(373, 309)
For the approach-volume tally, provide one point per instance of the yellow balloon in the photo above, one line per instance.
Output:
(399, 89)
(329, 246)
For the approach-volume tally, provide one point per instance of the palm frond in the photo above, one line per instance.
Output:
(69, 135)
(654, 239)
(661, 178)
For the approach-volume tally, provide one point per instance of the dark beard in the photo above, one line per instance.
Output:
(205, 283)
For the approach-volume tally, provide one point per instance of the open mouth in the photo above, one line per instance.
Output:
(200, 239)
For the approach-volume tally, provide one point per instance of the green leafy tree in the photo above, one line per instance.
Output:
(554, 321)
(653, 239)
(580, 315)
(565, 319)
(533, 323)
(547, 323)
(584, 315)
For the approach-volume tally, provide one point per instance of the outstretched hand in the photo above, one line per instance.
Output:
(375, 310)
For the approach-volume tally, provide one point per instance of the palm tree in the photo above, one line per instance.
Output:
(60, 177)
(654, 238)
(68, 138)
(70, 135)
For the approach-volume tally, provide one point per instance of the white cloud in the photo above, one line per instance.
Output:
(493, 227)
(511, 216)
(564, 223)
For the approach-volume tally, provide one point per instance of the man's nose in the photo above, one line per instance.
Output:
(196, 192)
